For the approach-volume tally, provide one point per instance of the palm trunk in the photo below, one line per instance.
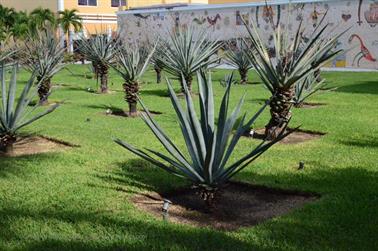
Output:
(243, 76)
(6, 143)
(103, 71)
(158, 74)
(280, 105)
(44, 90)
(131, 92)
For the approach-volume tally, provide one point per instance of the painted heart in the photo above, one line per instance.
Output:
(346, 17)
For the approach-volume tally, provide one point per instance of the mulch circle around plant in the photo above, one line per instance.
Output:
(237, 205)
(298, 136)
(306, 105)
(121, 113)
(37, 144)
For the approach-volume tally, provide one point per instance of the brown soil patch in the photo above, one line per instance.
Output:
(306, 105)
(121, 113)
(298, 136)
(37, 144)
(237, 205)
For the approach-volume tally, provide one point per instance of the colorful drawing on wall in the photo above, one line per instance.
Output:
(267, 14)
(315, 16)
(346, 16)
(359, 12)
(158, 16)
(364, 51)
(278, 15)
(257, 16)
(241, 17)
(141, 16)
(213, 20)
(199, 21)
(371, 15)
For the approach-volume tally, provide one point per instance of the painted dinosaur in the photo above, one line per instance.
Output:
(364, 51)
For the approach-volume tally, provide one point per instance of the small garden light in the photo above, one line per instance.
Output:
(165, 208)
(166, 204)
(301, 165)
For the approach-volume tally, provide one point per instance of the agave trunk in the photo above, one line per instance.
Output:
(158, 74)
(188, 81)
(6, 143)
(131, 97)
(103, 71)
(243, 76)
(44, 90)
(280, 105)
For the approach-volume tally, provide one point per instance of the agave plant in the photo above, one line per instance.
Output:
(131, 63)
(158, 65)
(43, 55)
(186, 52)
(100, 50)
(237, 57)
(209, 144)
(16, 113)
(306, 88)
(293, 61)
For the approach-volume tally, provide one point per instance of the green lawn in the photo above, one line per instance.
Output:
(79, 199)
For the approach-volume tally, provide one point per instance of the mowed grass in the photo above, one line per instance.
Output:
(80, 199)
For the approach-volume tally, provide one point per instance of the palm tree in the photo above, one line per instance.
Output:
(21, 27)
(68, 19)
(41, 18)
(237, 57)
(7, 16)
(294, 61)
(186, 52)
(131, 63)
(100, 50)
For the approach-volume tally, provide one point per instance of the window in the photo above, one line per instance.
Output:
(118, 3)
(88, 2)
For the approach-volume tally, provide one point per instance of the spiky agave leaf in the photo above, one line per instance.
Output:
(43, 54)
(16, 113)
(209, 142)
(187, 51)
(236, 56)
(131, 61)
(306, 88)
(99, 49)
(293, 61)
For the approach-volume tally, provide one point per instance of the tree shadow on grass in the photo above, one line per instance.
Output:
(369, 142)
(155, 92)
(367, 87)
(110, 231)
(344, 218)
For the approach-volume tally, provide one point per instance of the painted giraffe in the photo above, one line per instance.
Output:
(364, 51)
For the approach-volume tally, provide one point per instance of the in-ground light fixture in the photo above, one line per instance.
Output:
(165, 208)
(301, 165)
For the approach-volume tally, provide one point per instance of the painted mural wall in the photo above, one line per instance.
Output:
(225, 23)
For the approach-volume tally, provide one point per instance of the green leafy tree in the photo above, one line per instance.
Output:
(41, 18)
(68, 19)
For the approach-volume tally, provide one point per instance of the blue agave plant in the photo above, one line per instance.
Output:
(210, 144)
